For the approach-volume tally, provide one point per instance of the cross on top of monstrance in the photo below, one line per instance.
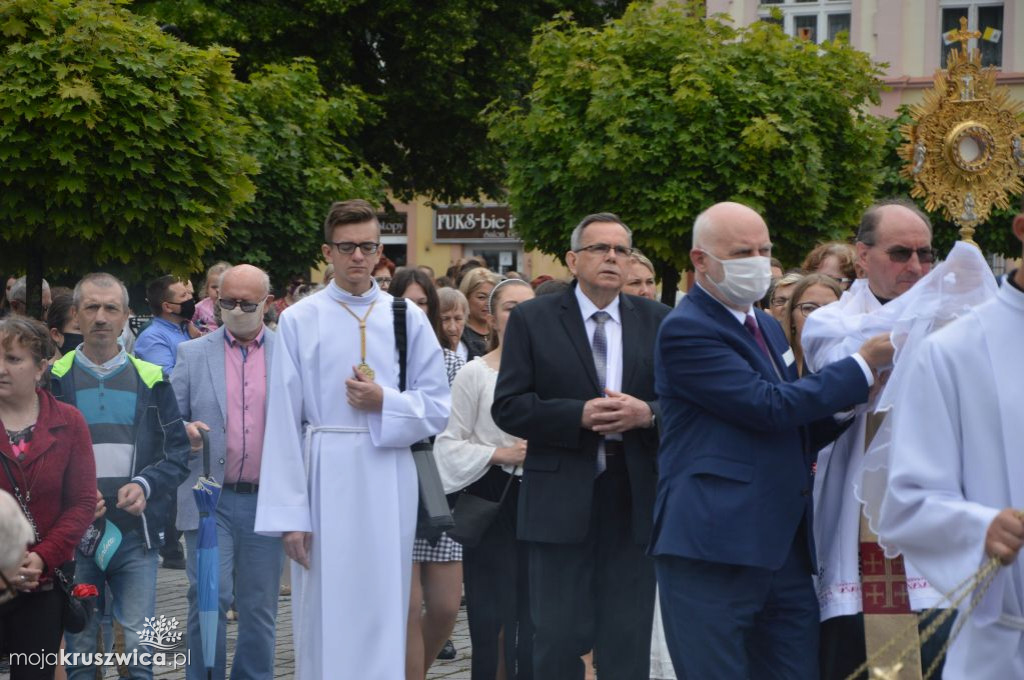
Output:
(963, 36)
(965, 148)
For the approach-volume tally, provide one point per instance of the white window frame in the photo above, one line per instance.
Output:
(820, 8)
(972, 22)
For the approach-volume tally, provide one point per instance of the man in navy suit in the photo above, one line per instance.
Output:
(732, 520)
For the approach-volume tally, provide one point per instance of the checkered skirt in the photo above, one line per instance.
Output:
(446, 550)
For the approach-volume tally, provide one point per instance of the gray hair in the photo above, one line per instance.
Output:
(15, 532)
(19, 291)
(100, 280)
(872, 217)
(576, 240)
(450, 298)
(264, 277)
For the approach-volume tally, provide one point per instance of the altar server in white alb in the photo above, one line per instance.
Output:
(337, 479)
(957, 485)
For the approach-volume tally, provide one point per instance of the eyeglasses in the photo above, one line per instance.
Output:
(246, 306)
(779, 301)
(806, 308)
(348, 247)
(901, 254)
(603, 249)
(382, 280)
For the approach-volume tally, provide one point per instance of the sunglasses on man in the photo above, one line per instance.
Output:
(901, 254)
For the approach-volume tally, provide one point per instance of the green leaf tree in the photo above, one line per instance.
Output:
(118, 144)
(661, 113)
(430, 67)
(994, 236)
(300, 138)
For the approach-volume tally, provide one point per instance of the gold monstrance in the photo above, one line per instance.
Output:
(964, 150)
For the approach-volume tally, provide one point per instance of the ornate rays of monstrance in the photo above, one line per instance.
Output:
(964, 151)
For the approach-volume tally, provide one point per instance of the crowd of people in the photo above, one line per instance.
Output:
(707, 456)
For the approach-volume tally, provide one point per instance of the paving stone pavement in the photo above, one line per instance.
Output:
(171, 600)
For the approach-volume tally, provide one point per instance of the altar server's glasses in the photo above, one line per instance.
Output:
(902, 254)
(348, 247)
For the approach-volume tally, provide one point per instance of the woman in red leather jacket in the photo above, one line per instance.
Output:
(49, 468)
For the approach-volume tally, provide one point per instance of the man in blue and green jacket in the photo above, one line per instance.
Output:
(141, 451)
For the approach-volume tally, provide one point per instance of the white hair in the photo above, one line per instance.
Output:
(701, 226)
(264, 277)
(19, 291)
(15, 532)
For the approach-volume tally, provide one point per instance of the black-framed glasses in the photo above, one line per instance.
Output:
(779, 301)
(382, 280)
(603, 249)
(806, 308)
(246, 306)
(349, 247)
(901, 254)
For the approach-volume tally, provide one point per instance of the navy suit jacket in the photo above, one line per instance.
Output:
(738, 437)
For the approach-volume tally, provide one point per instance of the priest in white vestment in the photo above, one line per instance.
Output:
(957, 483)
(894, 250)
(338, 481)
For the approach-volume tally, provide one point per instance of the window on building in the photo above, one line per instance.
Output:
(811, 20)
(985, 17)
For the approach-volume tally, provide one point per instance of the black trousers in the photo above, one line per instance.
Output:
(843, 646)
(33, 625)
(598, 594)
(497, 591)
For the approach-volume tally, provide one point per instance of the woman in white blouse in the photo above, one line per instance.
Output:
(473, 454)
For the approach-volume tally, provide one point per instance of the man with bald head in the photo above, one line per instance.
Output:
(220, 381)
(894, 250)
(732, 521)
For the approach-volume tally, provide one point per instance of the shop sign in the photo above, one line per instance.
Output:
(393, 224)
(473, 224)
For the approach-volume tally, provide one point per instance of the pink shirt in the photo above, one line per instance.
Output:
(245, 377)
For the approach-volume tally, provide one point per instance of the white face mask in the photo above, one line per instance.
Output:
(243, 324)
(746, 279)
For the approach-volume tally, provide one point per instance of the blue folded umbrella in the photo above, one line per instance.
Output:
(207, 494)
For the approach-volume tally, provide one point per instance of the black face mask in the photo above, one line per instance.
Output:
(71, 342)
(188, 309)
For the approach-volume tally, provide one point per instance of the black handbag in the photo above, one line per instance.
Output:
(474, 515)
(434, 517)
(75, 612)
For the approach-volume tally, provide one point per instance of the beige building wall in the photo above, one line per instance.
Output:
(905, 34)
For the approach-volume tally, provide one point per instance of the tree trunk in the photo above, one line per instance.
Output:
(669, 284)
(34, 283)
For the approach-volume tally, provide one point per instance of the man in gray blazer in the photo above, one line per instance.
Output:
(220, 381)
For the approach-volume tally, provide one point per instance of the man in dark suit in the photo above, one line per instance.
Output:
(577, 384)
(732, 521)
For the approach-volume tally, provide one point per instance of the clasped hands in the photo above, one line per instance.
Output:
(363, 393)
(616, 413)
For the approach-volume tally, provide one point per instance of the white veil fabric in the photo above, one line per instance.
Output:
(955, 286)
